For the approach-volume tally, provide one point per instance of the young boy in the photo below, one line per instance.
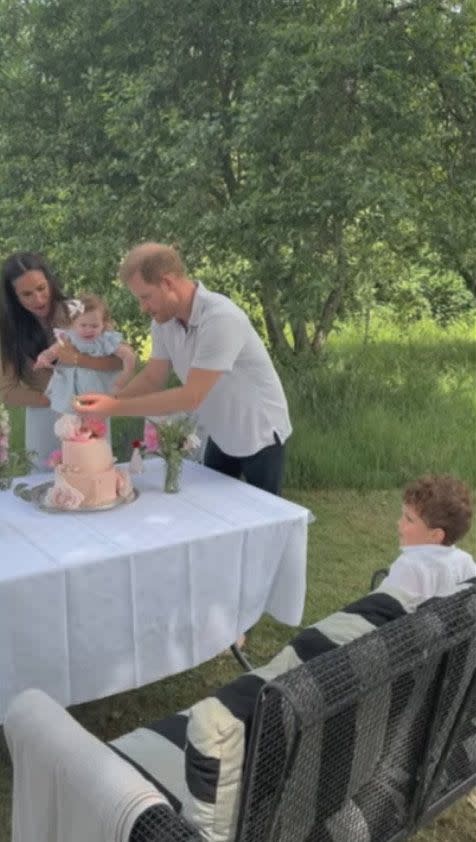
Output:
(436, 512)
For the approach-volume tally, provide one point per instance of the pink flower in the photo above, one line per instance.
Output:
(96, 426)
(151, 438)
(81, 435)
(54, 459)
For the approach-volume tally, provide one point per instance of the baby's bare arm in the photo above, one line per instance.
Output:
(128, 358)
(48, 357)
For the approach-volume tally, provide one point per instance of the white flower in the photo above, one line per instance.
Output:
(68, 426)
(191, 442)
(4, 435)
(4, 420)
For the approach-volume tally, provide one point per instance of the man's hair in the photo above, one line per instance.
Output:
(151, 260)
(441, 501)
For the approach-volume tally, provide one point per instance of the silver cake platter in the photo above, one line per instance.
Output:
(36, 494)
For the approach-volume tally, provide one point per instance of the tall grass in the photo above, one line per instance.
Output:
(379, 409)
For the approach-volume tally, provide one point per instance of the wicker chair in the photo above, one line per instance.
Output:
(157, 824)
(371, 741)
(367, 742)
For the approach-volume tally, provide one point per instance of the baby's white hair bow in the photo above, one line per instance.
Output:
(75, 307)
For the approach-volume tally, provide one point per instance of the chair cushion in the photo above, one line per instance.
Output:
(219, 726)
(158, 752)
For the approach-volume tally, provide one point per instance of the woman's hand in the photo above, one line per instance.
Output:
(96, 404)
(67, 353)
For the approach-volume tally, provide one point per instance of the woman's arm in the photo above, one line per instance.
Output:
(68, 355)
(24, 396)
(15, 393)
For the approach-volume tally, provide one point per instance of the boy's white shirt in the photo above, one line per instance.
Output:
(427, 570)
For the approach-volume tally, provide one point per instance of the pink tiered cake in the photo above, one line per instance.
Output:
(85, 476)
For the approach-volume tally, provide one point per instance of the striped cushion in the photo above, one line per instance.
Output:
(158, 752)
(219, 726)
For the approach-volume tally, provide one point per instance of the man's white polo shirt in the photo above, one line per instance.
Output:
(247, 405)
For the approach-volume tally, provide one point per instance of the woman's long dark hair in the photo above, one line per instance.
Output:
(22, 336)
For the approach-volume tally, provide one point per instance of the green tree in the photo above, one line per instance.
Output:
(277, 141)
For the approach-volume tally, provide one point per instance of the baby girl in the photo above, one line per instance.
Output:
(90, 333)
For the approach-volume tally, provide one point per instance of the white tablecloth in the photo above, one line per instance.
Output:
(96, 603)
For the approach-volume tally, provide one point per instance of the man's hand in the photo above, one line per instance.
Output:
(96, 404)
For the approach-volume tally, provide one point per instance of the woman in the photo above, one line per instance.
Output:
(31, 305)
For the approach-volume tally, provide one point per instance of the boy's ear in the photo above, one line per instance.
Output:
(439, 535)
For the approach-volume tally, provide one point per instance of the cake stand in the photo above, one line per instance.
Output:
(36, 494)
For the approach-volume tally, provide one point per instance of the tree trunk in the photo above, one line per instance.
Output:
(334, 299)
(329, 310)
(273, 323)
(301, 340)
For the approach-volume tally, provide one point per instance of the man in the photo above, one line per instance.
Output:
(225, 370)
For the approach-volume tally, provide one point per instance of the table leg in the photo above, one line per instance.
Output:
(242, 659)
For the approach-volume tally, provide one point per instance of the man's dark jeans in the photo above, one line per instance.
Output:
(264, 469)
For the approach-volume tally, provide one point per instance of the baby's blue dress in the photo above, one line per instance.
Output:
(68, 380)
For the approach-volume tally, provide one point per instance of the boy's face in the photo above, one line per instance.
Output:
(413, 530)
(89, 325)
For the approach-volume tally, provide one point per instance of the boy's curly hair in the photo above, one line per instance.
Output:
(441, 501)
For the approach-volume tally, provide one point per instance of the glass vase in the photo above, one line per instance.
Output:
(173, 472)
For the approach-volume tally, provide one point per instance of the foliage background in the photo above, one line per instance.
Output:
(313, 156)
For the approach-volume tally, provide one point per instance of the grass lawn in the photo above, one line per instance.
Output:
(354, 533)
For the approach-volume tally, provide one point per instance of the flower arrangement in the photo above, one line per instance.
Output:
(173, 438)
(12, 463)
